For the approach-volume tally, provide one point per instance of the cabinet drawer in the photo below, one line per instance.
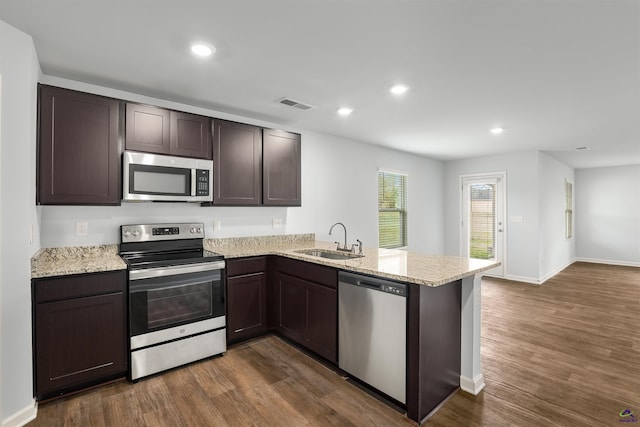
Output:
(69, 287)
(241, 266)
(320, 274)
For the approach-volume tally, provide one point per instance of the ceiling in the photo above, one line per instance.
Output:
(557, 74)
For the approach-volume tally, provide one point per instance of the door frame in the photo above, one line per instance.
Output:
(501, 213)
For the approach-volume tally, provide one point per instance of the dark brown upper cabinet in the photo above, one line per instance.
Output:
(147, 129)
(190, 135)
(281, 182)
(78, 148)
(237, 164)
(254, 166)
(157, 130)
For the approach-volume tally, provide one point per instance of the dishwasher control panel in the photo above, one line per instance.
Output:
(373, 283)
(396, 290)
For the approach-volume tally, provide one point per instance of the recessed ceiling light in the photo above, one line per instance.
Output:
(202, 49)
(399, 89)
(496, 131)
(345, 111)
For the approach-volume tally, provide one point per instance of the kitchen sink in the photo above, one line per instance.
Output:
(324, 253)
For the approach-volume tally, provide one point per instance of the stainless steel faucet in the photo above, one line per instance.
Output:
(345, 237)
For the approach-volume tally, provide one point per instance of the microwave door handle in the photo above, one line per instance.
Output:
(193, 181)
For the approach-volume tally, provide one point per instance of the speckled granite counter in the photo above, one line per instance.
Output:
(428, 270)
(48, 262)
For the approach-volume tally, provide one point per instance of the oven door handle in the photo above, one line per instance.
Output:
(174, 270)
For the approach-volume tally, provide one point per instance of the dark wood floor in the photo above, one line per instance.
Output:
(565, 353)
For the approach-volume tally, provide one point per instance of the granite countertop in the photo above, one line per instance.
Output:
(64, 261)
(411, 267)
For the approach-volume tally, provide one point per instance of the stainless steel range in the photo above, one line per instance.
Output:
(176, 296)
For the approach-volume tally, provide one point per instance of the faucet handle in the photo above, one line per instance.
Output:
(359, 246)
(337, 243)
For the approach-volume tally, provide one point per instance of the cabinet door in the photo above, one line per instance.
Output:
(246, 306)
(79, 151)
(281, 162)
(322, 316)
(292, 316)
(147, 129)
(79, 341)
(237, 167)
(190, 135)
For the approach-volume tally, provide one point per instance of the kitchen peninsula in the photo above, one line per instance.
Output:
(443, 326)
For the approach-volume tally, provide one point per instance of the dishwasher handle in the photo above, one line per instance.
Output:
(369, 284)
(387, 286)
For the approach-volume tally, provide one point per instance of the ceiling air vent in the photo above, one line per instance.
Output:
(295, 104)
(585, 148)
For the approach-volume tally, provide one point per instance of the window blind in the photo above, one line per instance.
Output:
(568, 210)
(392, 210)
(482, 221)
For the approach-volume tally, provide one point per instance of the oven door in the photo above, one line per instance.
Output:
(165, 297)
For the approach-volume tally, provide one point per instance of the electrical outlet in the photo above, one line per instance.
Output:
(277, 223)
(217, 224)
(82, 228)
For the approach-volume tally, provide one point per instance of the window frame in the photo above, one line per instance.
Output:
(403, 210)
(568, 209)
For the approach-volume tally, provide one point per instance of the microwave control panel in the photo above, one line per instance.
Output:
(202, 182)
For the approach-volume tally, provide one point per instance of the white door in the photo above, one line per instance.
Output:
(482, 219)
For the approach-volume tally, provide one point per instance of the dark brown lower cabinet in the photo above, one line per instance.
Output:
(292, 319)
(246, 298)
(307, 305)
(80, 331)
(433, 347)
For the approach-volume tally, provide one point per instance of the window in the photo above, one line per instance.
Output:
(568, 209)
(392, 210)
(482, 220)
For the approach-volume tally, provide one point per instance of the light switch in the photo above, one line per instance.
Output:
(217, 224)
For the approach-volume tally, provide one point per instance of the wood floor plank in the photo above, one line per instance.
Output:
(565, 353)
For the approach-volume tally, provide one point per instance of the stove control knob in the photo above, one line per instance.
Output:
(135, 233)
(199, 230)
(126, 233)
(192, 230)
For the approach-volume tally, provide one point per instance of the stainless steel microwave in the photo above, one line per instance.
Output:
(157, 178)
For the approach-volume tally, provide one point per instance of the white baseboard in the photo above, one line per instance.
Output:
(524, 279)
(608, 261)
(22, 417)
(556, 271)
(472, 385)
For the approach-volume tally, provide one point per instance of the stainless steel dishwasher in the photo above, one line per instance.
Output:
(372, 332)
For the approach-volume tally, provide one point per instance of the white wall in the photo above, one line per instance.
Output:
(556, 251)
(607, 215)
(522, 251)
(339, 183)
(20, 71)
